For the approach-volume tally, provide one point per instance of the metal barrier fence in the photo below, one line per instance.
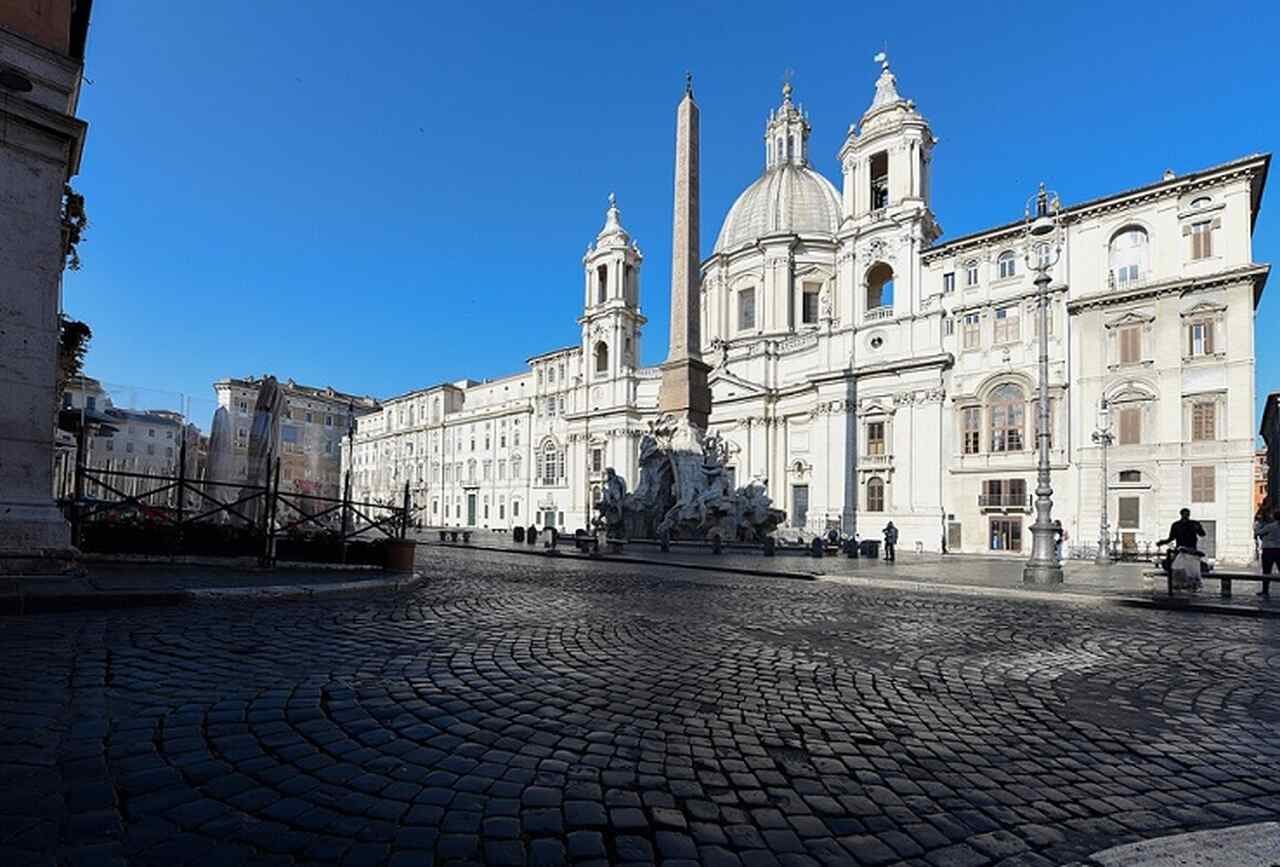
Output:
(177, 514)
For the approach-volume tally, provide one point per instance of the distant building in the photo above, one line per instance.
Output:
(310, 439)
(1259, 479)
(127, 443)
(1270, 432)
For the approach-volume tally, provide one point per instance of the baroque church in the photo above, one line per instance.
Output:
(865, 371)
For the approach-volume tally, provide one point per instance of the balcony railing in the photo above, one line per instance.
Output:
(875, 314)
(1123, 280)
(876, 460)
(1009, 502)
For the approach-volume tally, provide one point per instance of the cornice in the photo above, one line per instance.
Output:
(1257, 274)
(1248, 168)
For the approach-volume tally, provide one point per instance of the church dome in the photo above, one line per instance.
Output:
(787, 199)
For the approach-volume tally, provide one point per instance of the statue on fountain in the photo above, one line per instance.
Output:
(684, 491)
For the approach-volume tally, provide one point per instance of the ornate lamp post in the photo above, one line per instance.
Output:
(1042, 247)
(1103, 437)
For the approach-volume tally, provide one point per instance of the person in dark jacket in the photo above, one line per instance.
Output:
(890, 541)
(1183, 533)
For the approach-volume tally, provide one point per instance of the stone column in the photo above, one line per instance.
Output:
(684, 391)
(40, 146)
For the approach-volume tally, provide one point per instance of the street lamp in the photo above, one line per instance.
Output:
(1042, 247)
(1103, 437)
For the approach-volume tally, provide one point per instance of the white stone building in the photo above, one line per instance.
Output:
(871, 372)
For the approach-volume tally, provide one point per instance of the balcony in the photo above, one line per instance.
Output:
(871, 462)
(1124, 279)
(1006, 502)
(876, 314)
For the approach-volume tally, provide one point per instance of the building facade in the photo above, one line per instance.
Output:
(310, 434)
(41, 141)
(866, 371)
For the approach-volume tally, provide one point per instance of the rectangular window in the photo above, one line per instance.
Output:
(1130, 512)
(597, 460)
(972, 422)
(1004, 493)
(809, 304)
(948, 327)
(972, 331)
(1203, 418)
(875, 438)
(971, 274)
(1008, 266)
(1202, 240)
(1130, 426)
(1203, 485)
(1006, 534)
(1007, 328)
(746, 309)
(1201, 338)
(1130, 344)
(948, 282)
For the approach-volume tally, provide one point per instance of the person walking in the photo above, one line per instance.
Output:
(1268, 534)
(890, 540)
(1185, 534)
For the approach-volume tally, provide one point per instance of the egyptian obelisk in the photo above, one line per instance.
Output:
(684, 392)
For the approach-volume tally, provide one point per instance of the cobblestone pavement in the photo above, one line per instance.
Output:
(520, 710)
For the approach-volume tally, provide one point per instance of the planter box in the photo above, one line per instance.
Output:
(399, 555)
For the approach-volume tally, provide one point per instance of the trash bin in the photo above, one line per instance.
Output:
(517, 534)
(870, 548)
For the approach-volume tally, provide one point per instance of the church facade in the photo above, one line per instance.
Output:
(867, 372)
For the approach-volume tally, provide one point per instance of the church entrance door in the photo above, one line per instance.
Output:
(799, 505)
(471, 510)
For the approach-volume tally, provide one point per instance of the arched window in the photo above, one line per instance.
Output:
(1007, 264)
(879, 286)
(602, 358)
(1007, 408)
(875, 494)
(1128, 256)
(551, 464)
(778, 150)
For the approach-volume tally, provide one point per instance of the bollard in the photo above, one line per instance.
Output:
(769, 546)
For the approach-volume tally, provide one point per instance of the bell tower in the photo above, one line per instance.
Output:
(611, 319)
(886, 219)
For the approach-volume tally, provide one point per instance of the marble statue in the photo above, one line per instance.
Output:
(684, 491)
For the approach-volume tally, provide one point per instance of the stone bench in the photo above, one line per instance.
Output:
(1225, 579)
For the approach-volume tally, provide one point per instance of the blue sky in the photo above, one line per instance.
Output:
(385, 202)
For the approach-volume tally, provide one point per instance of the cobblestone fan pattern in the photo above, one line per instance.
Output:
(512, 712)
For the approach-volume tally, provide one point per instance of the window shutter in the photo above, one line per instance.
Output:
(1208, 337)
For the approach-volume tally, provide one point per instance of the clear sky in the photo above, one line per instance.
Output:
(384, 201)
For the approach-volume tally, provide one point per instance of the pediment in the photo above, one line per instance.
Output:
(725, 384)
(1132, 317)
(1204, 308)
